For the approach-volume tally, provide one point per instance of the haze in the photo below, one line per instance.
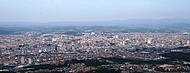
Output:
(92, 10)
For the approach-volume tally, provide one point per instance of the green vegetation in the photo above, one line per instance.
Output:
(92, 62)
(180, 56)
(104, 70)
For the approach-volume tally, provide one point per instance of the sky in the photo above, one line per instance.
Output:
(92, 10)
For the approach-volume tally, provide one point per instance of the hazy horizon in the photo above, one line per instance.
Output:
(96, 10)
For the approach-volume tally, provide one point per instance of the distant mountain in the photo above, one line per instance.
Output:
(99, 26)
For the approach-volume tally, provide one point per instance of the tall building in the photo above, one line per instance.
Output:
(22, 60)
(29, 61)
(188, 43)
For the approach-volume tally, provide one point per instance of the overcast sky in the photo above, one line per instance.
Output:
(92, 10)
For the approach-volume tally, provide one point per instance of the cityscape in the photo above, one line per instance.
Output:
(89, 51)
(94, 36)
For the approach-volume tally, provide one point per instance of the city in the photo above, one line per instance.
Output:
(94, 36)
(89, 51)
